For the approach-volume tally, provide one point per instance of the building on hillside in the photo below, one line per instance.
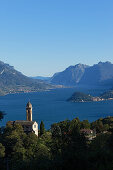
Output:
(28, 125)
(88, 133)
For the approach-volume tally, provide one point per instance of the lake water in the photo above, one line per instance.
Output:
(51, 106)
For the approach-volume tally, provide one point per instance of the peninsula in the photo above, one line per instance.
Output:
(82, 97)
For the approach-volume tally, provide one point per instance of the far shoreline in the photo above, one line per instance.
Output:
(90, 101)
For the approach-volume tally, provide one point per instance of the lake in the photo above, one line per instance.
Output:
(51, 106)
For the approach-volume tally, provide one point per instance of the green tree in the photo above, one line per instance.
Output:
(56, 131)
(100, 155)
(30, 144)
(2, 157)
(85, 124)
(111, 141)
(98, 125)
(42, 128)
(13, 136)
(2, 151)
(1, 115)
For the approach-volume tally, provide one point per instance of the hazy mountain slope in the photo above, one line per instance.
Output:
(98, 74)
(70, 76)
(14, 81)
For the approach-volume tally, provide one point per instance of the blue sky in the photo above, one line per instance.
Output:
(41, 37)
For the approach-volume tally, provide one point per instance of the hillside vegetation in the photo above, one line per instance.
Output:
(82, 97)
(68, 144)
(107, 95)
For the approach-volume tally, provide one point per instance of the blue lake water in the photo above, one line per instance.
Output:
(51, 106)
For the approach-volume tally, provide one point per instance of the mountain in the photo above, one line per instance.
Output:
(98, 74)
(70, 76)
(41, 78)
(12, 81)
(80, 74)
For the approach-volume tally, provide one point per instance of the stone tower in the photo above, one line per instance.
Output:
(29, 111)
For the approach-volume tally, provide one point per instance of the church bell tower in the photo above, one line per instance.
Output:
(29, 111)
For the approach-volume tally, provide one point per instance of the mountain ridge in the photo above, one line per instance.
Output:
(72, 75)
(13, 81)
(81, 74)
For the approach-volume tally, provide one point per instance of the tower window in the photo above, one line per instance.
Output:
(34, 126)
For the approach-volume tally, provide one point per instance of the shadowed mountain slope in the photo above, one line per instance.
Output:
(70, 76)
(98, 74)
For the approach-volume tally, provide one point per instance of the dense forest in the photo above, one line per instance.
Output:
(75, 144)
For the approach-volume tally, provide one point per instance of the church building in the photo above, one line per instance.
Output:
(28, 125)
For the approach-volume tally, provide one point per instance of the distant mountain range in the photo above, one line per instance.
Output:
(12, 81)
(41, 78)
(80, 74)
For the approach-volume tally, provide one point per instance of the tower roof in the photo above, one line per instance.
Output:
(29, 104)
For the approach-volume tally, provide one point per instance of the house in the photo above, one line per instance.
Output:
(88, 133)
